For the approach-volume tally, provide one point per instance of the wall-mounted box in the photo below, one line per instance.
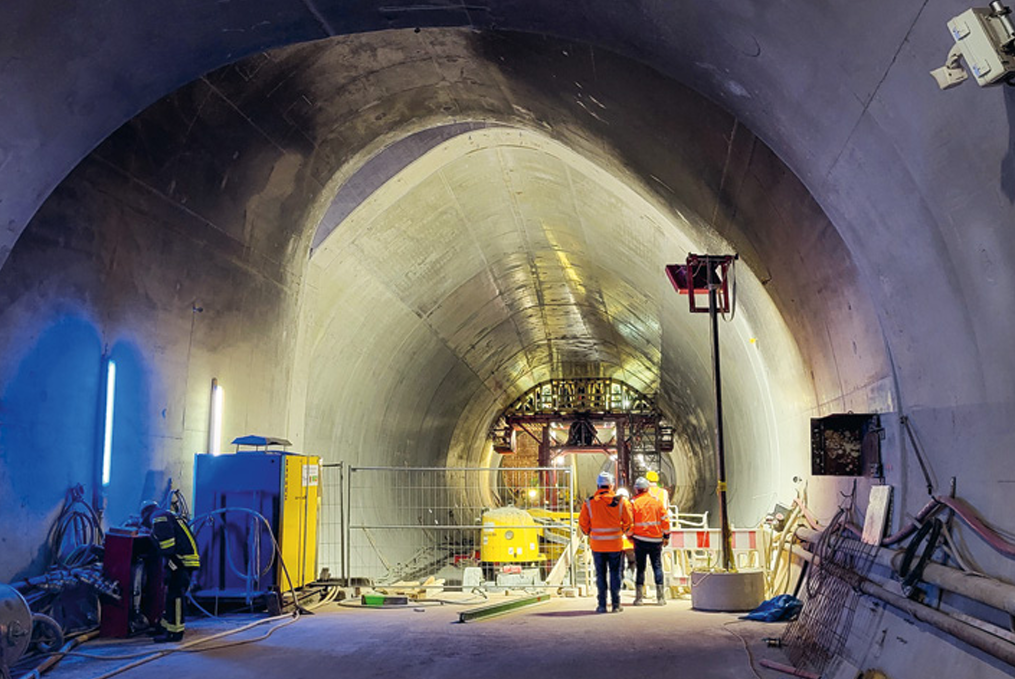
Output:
(845, 445)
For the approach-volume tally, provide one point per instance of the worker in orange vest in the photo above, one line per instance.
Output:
(605, 518)
(658, 492)
(651, 532)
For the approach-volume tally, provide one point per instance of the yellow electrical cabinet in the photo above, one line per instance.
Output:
(301, 479)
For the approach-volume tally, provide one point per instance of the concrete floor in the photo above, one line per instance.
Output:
(562, 638)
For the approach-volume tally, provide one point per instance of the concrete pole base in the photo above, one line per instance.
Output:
(727, 592)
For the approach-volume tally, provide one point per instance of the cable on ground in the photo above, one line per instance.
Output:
(747, 648)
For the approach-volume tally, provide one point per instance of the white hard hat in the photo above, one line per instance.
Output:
(148, 508)
(641, 483)
(604, 479)
(624, 491)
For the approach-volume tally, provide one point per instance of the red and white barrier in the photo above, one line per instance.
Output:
(697, 548)
(711, 539)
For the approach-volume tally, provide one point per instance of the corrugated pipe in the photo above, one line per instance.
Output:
(986, 590)
(974, 636)
(962, 509)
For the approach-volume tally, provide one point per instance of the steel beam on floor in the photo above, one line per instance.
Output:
(490, 610)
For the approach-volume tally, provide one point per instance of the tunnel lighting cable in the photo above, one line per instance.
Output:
(919, 455)
(750, 656)
(107, 432)
(732, 276)
(953, 549)
(75, 530)
(146, 657)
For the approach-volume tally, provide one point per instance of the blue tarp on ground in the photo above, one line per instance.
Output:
(778, 609)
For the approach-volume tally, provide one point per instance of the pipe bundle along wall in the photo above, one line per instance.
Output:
(986, 590)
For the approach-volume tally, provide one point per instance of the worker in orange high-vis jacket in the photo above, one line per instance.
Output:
(657, 491)
(605, 518)
(651, 532)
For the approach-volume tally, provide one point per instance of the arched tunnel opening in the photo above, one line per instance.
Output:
(375, 244)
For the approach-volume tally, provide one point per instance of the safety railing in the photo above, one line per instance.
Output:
(691, 549)
(331, 522)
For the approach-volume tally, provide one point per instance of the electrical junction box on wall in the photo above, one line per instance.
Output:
(845, 445)
(984, 38)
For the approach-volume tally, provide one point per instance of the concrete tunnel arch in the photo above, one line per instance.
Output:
(507, 350)
(206, 197)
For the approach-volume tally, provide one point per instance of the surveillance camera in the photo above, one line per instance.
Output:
(985, 40)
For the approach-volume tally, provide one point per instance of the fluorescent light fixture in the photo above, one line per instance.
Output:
(107, 432)
(215, 424)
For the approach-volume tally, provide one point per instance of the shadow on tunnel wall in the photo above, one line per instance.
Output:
(48, 432)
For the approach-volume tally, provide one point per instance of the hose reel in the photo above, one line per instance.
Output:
(17, 623)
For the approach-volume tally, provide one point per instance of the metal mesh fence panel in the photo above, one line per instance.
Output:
(830, 596)
(469, 527)
(331, 518)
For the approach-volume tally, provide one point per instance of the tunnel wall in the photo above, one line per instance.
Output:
(225, 180)
(130, 259)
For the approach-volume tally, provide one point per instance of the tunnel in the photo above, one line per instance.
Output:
(376, 228)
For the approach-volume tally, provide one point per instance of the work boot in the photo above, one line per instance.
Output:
(600, 609)
(639, 596)
(660, 595)
(617, 608)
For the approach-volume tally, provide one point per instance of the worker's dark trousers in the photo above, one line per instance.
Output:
(612, 561)
(652, 550)
(177, 584)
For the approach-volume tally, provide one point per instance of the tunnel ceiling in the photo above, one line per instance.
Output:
(526, 266)
(456, 275)
(260, 149)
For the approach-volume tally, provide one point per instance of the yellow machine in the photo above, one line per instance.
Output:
(510, 535)
(556, 527)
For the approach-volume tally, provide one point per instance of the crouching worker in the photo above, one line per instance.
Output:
(178, 549)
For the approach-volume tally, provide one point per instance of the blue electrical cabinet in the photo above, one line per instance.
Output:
(238, 553)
